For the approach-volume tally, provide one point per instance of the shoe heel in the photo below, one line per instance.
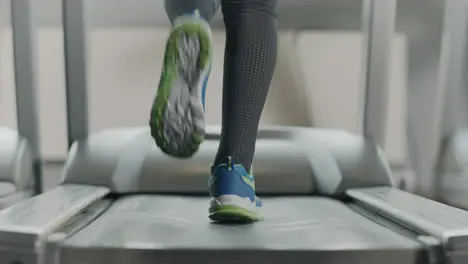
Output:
(230, 182)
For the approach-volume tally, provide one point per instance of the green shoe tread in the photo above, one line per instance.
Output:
(168, 77)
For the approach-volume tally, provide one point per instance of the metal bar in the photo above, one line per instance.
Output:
(74, 27)
(451, 98)
(25, 80)
(452, 67)
(378, 27)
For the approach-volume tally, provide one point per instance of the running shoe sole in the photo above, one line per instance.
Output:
(233, 211)
(177, 116)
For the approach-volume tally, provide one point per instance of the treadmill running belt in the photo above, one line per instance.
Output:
(173, 229)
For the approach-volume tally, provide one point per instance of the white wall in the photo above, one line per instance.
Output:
(320, 83)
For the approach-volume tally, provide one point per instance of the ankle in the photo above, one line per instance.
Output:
(230, 161)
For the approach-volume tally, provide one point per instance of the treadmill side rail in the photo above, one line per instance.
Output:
(24, 223)
(422, 215)
(16, 197)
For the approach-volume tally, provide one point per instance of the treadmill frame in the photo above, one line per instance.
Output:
(40, 235)
(20, 163)
(25, 80)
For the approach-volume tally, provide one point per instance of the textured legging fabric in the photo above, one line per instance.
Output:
(249, 63)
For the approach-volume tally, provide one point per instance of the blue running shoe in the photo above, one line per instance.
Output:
(232, 191)
(177, 116)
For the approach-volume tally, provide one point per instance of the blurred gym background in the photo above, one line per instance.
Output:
(316, 84)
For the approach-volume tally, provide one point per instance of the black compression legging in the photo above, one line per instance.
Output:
(249, 63)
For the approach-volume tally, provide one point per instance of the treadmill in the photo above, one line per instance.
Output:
(20, 164)
(328, 195)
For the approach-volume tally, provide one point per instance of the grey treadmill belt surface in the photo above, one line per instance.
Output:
(320, 227)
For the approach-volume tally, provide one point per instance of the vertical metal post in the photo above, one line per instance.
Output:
(74, 27)
(453, 66)
(378, 27)
(25, 80)
(451, 93)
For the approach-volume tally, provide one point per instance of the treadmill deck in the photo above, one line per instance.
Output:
(147, 227)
